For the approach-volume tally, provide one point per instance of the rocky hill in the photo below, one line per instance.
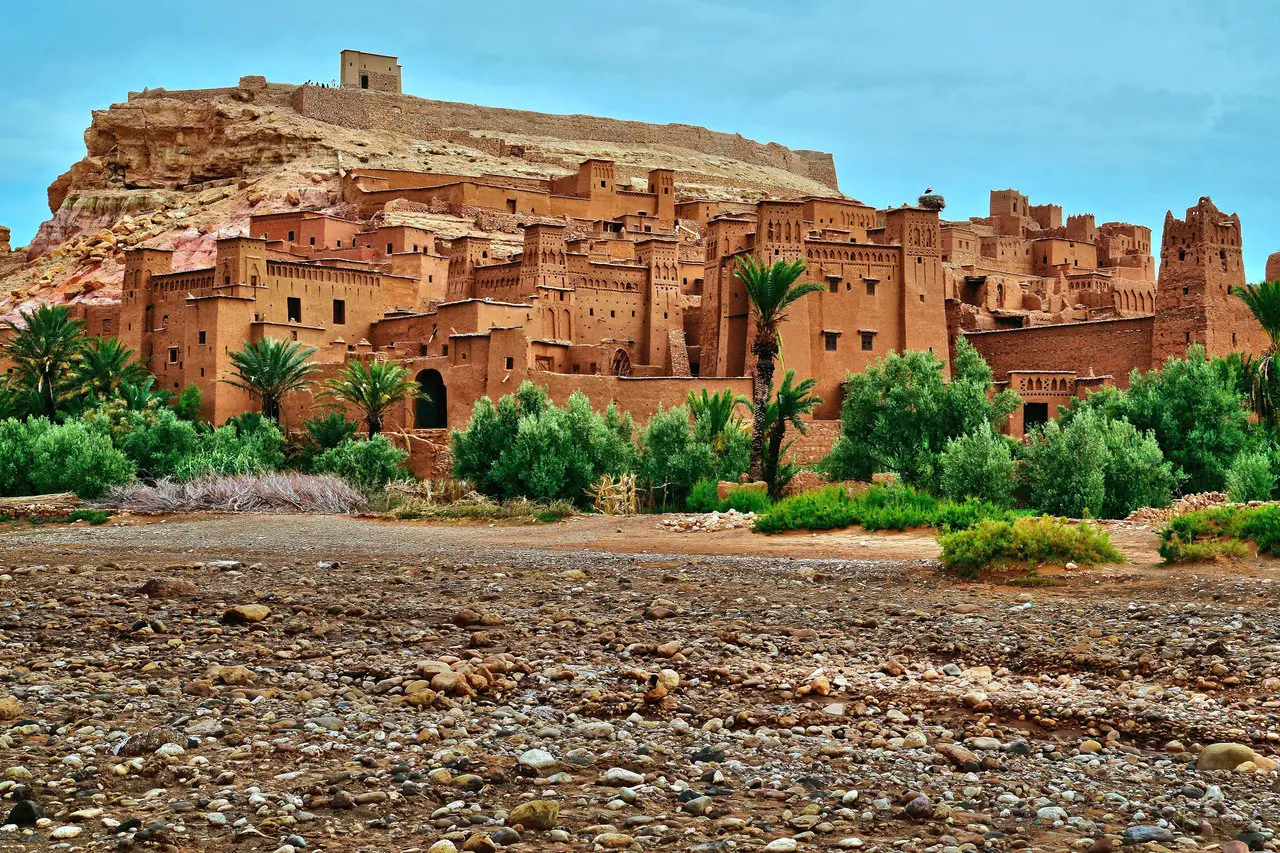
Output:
(176, 170)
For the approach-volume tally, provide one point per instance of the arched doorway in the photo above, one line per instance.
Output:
(621, 363)
(431, 411)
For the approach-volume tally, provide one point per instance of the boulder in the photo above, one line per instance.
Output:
(537, 814)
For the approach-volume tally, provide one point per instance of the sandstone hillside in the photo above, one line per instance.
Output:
(176, 170)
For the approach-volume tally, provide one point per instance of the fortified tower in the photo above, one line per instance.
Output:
(1200, 262)
(136, 307)
(5, 248)
(1273, 267)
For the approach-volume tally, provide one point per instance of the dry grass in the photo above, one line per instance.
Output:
(280, 492)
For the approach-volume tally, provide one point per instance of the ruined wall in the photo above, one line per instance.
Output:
(1098, 348)
(1273, 267)
(427, 119)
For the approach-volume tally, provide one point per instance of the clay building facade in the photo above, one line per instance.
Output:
(369, 71)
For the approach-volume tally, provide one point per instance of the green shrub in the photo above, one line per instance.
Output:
(1207, 534)
(979, 465)
(743, 499)
(1089, 465)
(674, 456)
(881, 508)
(1030, 540)
(16, 455)
(187, 405)
(1250, 478)
(158, 441)
(245, 445)
(330, 429)
(71, 457)
(703, 497)
(900, 413)
(526, 446)
(367, 464)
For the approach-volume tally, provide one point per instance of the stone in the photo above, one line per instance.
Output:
(64, 832)
(24, 813)
(614, 841)
(618, 777)
(1234, 846)
(10, 708)
(166, 587)
(537, 759)
(444, 845)
(782, 845)
(919, 808)
(1144, 834)
(1224, 756)
(540, 815)
(245, 614)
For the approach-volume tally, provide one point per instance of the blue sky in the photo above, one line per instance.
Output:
(1124, 109)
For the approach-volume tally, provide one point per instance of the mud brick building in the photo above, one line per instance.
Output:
(625, 289)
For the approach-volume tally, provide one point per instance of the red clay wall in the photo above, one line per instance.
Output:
(1099, 348)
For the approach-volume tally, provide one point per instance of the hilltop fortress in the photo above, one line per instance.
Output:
(613, 278)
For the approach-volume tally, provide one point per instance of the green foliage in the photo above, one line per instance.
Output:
(45, 346)
(1251, 478)
(16, 455)
(368, 465)
(704, 496)
(528, 447)
(1094, 466)
(157, 441)
(1207, 534)
(979, 465)
(330, 429)
(1194, 409)
(900, 413)
(248, 444)
(71, 457)
(673, 457)
(771, 289)
(103, 366)
(881, 508)
(744, 499)
(373, 388)
(791, 401)
(187, 406)
(271, 369)
(1030, 540)
(93, 516)
(716, 413)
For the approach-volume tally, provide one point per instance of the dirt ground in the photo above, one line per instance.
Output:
(281, 683)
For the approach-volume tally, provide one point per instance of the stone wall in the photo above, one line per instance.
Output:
(1099, 348)
(426, 119)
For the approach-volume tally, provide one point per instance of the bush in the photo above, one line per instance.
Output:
(71, 457)
(528, 447)
(881, 508)
(1089, 465)
(1207, 534)
(900, 413)
(247, 445)
(703, 497)
(979, 465)
(674, 456)
(744, 499)
(283, 492)
(157, 441)
(1194, 409)
(367, 464)
(15, 455)
(187, 406)
(1030, 540)
(1250, 478)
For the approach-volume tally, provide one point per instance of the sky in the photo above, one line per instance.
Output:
(1124, 110)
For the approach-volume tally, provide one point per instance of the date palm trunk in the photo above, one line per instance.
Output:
(762, 390)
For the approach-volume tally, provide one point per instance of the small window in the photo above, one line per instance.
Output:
(290, 236)
(444, 350)
(253, 281)
(339, 312)
(201, 337)
(833, 285)
(1188, 337)
(294, 309)
(313, 241)
(611, 314)
(830, 340)
(173, 355)
(871, 288)
(422, 349)
(511, 363)
(602, 183)
(868, 339)
(390, 248)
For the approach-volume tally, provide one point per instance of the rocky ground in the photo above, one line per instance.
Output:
(282, 684)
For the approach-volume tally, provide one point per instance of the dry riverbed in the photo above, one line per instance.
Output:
(335, 684)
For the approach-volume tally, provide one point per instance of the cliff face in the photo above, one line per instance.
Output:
(176, 169)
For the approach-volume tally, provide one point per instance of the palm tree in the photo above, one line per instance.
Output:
(791, 402)
(373, 387)
(270, 369)
(44, 348)
(105, 366)
(714, 412)
(1261, 374)
(771, 290)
